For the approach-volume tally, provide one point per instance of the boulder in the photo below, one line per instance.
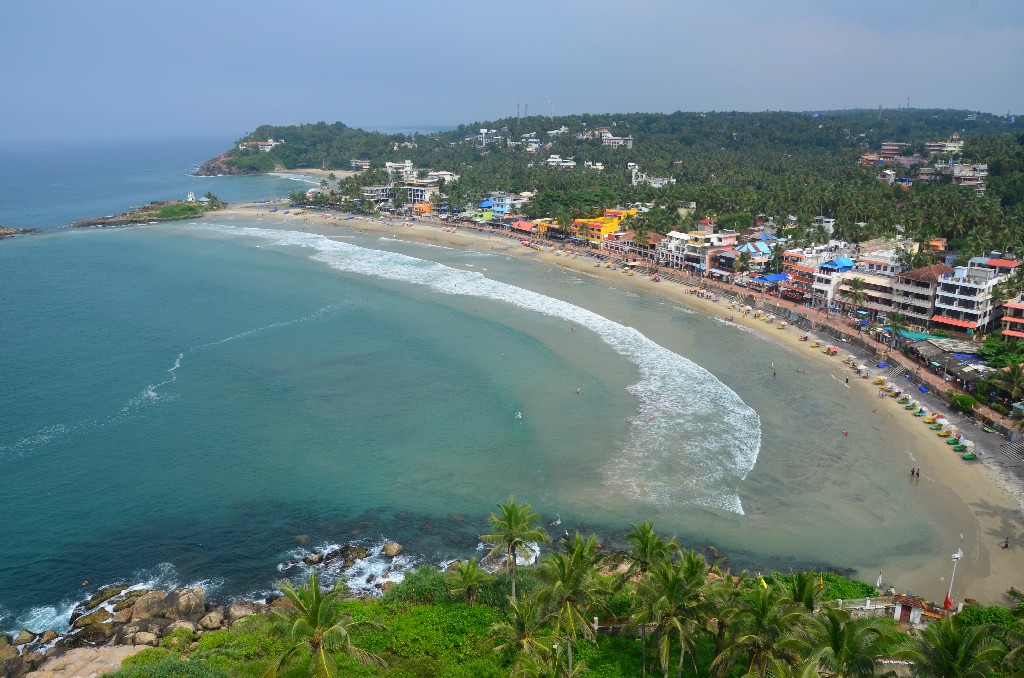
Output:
(184, 604)
(313, 559)
(48, 637)
(149, 605)
(350, 553)
(122, 616)
(392, 549)
(182, 624)
(282, 603)
(146, 638)
(7, 651)
(24, 637)
(93, 634)
(97, 617)
(243, 608)
(214, 619)
(129, 599)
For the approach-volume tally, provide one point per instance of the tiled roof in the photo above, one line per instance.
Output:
(1003, 263)
(954, 322)
(927, 273)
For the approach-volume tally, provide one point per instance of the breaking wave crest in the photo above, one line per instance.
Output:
(693, 440)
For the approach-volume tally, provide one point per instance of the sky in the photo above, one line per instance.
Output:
(107, 69)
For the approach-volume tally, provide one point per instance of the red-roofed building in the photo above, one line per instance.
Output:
(1013, 319)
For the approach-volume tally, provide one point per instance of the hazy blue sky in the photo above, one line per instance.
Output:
(105, 68)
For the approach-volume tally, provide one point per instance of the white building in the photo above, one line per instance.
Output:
(964, 300)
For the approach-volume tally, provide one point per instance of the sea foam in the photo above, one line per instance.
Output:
(693, 440)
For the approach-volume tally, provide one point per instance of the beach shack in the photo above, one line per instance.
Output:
(914, 611)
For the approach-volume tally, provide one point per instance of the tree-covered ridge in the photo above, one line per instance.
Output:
(662, 610)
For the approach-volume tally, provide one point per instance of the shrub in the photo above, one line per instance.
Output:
(169, 667)
(423, 585)
(179, 640)
(964, 403)
(977, 615)
(151, 655)
(1000, 408)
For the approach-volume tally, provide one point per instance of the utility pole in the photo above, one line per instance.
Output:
(526, 109)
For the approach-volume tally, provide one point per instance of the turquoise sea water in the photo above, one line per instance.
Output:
(204, 402)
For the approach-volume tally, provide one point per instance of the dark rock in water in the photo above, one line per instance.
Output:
(93, 634)
(24, 637)
(392, 549)
(149, 605)
(313, 559)
(97, 617)
(104, 595)
(184, 604)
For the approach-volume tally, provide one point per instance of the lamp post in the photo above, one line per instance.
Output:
(949, 594)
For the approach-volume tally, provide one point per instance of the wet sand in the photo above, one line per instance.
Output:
(991, 489)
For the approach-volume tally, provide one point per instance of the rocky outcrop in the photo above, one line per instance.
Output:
(8, 232)
(243, 608)
(392, 549)
(149, 605)
(214, 619)
(185, 605)
(218, 166)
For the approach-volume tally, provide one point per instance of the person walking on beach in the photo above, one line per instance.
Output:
(1006, 543)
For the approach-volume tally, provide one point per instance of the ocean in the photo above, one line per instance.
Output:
(204, 403)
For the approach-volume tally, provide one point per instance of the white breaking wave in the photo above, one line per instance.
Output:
(295, 177)
(694, 439)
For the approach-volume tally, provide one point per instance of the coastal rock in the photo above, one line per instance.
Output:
(48, 637)
(146, 638)
(182, 624)
(217, 166)
(7, 651)
(149, 605)
(122, 616)
(129, 599)
(282, 603)
(97, 617)
(104, 595)
(184, 604)
(313, 559)
(243, 608)
(93, 634)
(392, 549)
(85, 662)
(214, 619)
(24, 637)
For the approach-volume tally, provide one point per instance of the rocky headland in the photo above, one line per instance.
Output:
(219, 166)
(8, 232)
(123, 616)
(160, 210)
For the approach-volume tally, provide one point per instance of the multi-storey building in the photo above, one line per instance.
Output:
(692, 251)
(965, 299)
(1013, 319)
(914, 294)
(951, 146)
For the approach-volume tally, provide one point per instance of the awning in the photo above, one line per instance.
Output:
(776, 277)
(720, 271)
(935, 364)
(954, 322)
(700, 267)
(1013, 333)
(523, 226)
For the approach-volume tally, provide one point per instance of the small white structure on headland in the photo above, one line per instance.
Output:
(191, 197)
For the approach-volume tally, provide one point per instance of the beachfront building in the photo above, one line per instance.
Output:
(359, 164)
(692, 251)
(594, 231)
(965, 300)
(801, 266)
(827, 277)
(626, 245)
(419, 190)
(1013, 319)
(914, 294)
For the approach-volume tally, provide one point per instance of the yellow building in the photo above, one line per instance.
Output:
(594, 230)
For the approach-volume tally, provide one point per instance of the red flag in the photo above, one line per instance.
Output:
(948, 604)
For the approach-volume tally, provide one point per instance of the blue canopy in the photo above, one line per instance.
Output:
(485, 204)
(776, 277)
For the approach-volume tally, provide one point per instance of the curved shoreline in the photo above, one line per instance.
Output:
(992, 490)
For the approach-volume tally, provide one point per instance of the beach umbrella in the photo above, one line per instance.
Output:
(939, 419)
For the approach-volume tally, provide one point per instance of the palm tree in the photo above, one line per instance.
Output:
(467, 578)
(897, 321)
(523, 630)
(315, 627)
(514, 526)
(847, 646)
(946, 650)
(805, 588)
(1011, 380)
(649, 549)
(572, 588)
(856, 294)
(678, 605)
(764, 627)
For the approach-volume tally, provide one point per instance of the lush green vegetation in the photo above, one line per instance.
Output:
(671, 613)
(733, 165)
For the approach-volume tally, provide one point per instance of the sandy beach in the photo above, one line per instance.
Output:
(992, 488)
